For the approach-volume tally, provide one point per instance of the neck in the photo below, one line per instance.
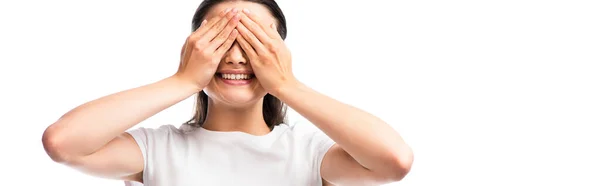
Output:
(248, 119)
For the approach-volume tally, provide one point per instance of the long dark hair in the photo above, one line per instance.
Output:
(274, 110)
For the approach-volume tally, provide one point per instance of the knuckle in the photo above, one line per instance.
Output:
(209, 32)
(222, 36)
(272, 50)
(232, 23)
(231, 39)
(252, 27)
(271, 47)
(265, 62)
(260, 53)
(193, 38)
(214, 62)
(206, 53)
(221, 24)
(198, 45)
(190, 40)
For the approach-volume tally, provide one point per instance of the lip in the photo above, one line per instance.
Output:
(235, 71)
(235, 82)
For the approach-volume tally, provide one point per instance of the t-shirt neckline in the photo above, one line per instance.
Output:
(235, 136)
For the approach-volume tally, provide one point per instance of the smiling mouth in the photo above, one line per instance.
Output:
(235, 76)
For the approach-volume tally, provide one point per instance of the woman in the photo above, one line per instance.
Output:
(237, 63)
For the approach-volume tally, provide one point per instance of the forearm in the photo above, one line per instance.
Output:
(370, 141)
(88, 127)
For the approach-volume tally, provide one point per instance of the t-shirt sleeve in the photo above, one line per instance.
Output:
(148, 140)
(140, 135)
(321, 143)
(318, 143)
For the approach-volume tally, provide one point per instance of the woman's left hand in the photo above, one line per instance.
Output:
(269, 57)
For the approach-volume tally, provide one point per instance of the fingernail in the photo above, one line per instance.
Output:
(235, 10)
(246, 11)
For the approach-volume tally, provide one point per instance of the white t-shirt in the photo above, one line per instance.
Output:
(289, 155)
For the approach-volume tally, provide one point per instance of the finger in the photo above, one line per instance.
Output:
(185, 50)
(181, 57)
(225, 33)
(206, 25)
(183, 47)
(251, 39)
(256, 29)
(272, 33)
(219, 26)
(227, 44)
(250, 52)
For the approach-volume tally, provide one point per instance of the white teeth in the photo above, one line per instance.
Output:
(235, 76)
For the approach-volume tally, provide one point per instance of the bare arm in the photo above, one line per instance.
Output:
(367, 148)
(367, 151)
(91, 137)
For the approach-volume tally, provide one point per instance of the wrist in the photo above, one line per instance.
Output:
(184, 84)
(286, 89)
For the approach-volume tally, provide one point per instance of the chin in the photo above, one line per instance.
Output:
(235, 93)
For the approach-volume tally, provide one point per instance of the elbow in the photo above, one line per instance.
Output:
(54, 145)
(400, 171)
(400, 165)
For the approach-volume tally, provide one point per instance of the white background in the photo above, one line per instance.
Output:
(486, 92)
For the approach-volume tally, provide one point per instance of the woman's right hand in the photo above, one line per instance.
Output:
(92, 137)
(204, 48)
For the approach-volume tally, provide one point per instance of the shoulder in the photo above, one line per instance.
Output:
(153, 142)
(302, 128)
(309, 137)
(312, 142)
(163, 129)
(305, 131)
(148, 138)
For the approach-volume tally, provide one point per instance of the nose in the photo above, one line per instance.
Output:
(235, 55)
